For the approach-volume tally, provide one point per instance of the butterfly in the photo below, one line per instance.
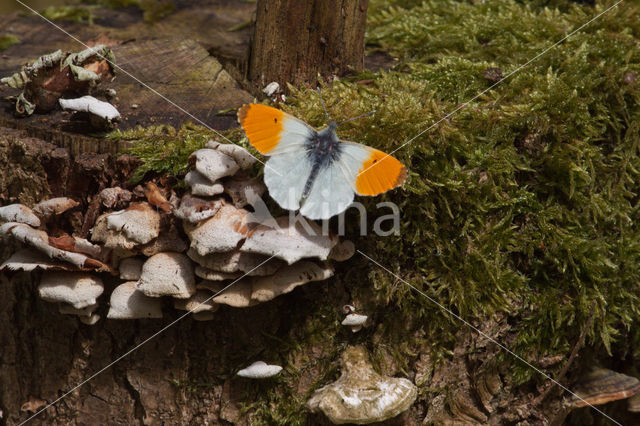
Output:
(313, 170)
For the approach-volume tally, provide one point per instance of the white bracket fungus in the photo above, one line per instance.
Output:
(75, 288)
(128, 303)
(202, 186)
(213, 164)
(288, 278)
(167, 274)
(290, 241)
(271, 88)
(197, 303)
(236, 261)
(19, 213)
(221, 232)
(126, 229)
(259, 370)
(361, 395)
(238, 153)
(193, 209)
(130, 268)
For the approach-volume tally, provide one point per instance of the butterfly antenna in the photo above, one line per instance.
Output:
(324, 106)
(360, 116)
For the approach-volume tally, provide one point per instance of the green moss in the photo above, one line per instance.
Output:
(69, 13)
(7, 40)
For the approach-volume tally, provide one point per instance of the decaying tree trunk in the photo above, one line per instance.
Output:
(295, 40)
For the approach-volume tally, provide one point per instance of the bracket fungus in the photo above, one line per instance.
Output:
(130, 268)
(288, 278)
(361, 395)
(221, 232)
(54, 206)
(194, 209)
(125, 229)
(78, 289)
(101, 114)
(241, 156)
(197, 303)
(201, 186)
(127, 302)
(167, 274)
(290, 241)
(236, 261)
(600, 386)
(20, 214)
(213, 164)
(259, 370)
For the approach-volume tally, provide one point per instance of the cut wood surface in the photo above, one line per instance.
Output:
(176, 57)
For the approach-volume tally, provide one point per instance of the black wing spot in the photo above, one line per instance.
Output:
(375, 161)
(275, 120)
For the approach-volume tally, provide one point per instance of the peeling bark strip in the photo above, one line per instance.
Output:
(295, 40)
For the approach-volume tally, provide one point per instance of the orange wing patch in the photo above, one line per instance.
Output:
(379, 173)
(263, 126)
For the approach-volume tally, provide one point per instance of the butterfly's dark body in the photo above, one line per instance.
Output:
(322, 149)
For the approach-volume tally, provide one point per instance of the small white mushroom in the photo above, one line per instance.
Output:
(213, 164)
(202, 186)
(288, 278)
(167, 274)
(130, 268)
(259, 370)
(355, 321)
(219, 233)
(290, 241)
(361, 395)
(54, 206)
(197, 303)
(193, 209)
(103, 110)
(271, 88)
(75, 288)
(19, 213)
(128, 303)
(238, 153)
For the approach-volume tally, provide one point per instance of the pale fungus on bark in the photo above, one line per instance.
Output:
(127, 302)
(221, 232)
(342, 251)
(78, 289)
(131, 268)
(361, 395)
(30, 260)
(240, 155)
(54, 206)
(125, 229)
(194, 209)
(201, 186)
(167, 274)
(201, 301)
(290, 241)
(213, 164)
(601, 385)
(102, 114)
(238, 295)
(243, 190)
(67, 309)
(20, 214)
(259, 370)
(237, 261)
(208, 274)
(288, 278)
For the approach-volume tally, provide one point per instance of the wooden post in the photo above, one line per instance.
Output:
(295, 40)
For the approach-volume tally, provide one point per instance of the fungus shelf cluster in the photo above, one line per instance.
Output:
(159, 244)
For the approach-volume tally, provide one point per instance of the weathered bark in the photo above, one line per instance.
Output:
(294, 40)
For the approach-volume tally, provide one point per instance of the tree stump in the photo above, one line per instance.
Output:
(294, 40)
